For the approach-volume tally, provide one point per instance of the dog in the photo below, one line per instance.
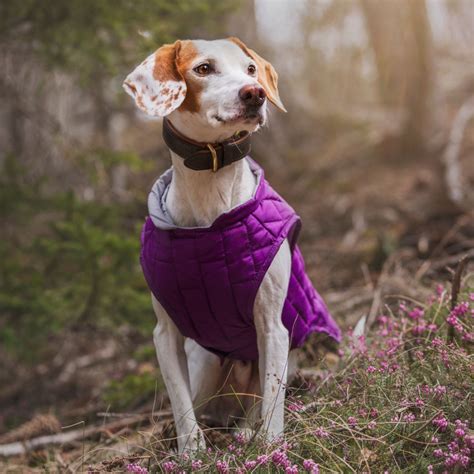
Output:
(219, 248)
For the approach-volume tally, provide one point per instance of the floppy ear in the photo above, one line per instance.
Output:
(267, 76)
(156, 84)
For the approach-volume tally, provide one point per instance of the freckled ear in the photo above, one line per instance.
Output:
(156, 84)
(267, 76)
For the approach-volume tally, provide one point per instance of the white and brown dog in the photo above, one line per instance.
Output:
(209, 91)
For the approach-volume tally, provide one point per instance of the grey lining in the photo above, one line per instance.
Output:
(157, 198)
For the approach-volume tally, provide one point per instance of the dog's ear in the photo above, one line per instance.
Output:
(267, 76)
(156, 84)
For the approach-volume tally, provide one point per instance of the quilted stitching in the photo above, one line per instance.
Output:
(207, 280)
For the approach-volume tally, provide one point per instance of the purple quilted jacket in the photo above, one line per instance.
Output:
(207, 278)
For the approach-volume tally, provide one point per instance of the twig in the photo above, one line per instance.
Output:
(22, 447)
(452, 259)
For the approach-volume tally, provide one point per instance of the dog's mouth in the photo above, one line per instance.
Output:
(248, 117)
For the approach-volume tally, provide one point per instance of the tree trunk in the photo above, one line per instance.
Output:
(400, 37)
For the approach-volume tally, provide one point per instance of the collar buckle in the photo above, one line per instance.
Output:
(215, 162)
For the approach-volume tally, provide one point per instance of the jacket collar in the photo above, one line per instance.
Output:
(206, 156)
(162, 220)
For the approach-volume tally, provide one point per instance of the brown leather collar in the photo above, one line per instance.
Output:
(206, 156)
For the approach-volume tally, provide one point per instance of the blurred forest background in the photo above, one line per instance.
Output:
(375, 153)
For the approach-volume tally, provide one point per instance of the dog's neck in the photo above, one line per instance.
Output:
(197, 198)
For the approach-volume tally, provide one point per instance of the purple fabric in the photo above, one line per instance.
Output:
(207, 278)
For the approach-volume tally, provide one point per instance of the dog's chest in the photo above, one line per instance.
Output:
(197, 199)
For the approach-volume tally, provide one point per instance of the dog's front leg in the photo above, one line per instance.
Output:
(169, 344)
(273, 342)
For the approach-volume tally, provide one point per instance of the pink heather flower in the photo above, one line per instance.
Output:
(135, 467)
(438, 453)
(419, 355)
(430, 469)
(362, 412)
(240, 438)
(461, 309)
(434, 439)
(468, 336)
(196, 464)
(426, 389)
(461, 428)
(169, 466)
(250, 465)
(469, 441)
(296, 406)
(436, 342)
(453, 321)
(444, 357)
(439, 289)
(456, 459)
(409, 417)
(372, 425)
(263, 459)
(461, 424)
(280, 458)
(419, 403)
(231, 447)
(371, 369)
(222, 467)
(440, 422)
(374, 413)
(439, 390)
(419, 329)
(320, 433)
(291, 469)
(416, 313)
(453, 446)
(352, 421)
(311, 466)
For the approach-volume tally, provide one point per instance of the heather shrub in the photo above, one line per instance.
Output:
(400, 401)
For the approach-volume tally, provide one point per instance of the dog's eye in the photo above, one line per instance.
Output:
(251, 69)
(203, 69)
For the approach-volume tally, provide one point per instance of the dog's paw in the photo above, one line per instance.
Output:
(192, 442)
(244, 435)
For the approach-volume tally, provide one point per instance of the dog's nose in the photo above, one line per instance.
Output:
(252, 95)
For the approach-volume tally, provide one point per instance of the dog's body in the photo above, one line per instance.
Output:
(192, 374)
(209, 91)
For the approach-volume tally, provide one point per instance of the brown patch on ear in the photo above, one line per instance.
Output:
(131, 87)
(267, 76)
(185, 58)
(165, 63)
(153, 84)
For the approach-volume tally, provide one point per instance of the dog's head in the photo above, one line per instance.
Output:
(209, 89)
